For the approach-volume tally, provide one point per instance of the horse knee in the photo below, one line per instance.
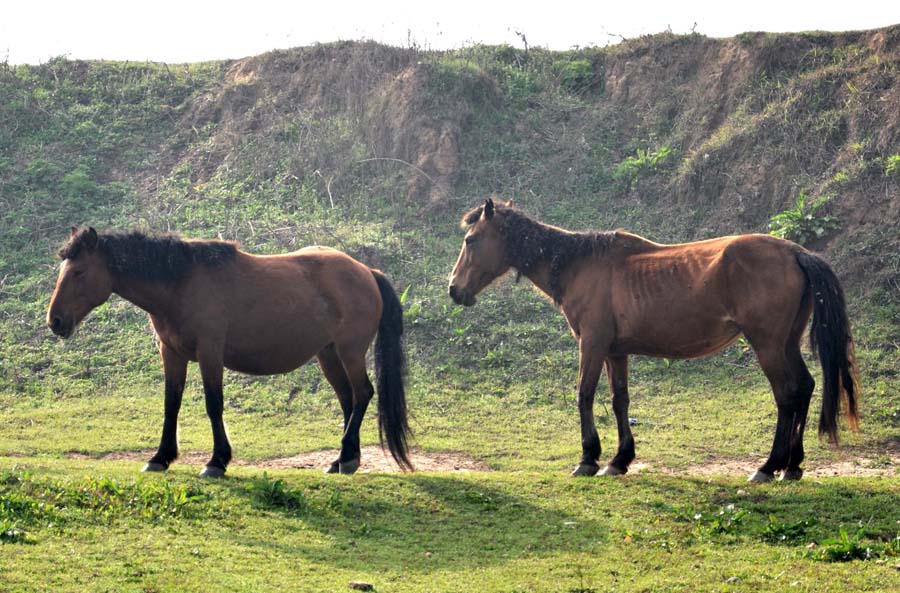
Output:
(620, 403)
(590, 447)
(807, 385)
(584, 401)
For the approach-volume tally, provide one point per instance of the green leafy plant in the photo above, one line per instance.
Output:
(892, 548)
(644, 162)
(892, 166)
(575, 75)
(274, 494)
(781, 532)
(413, 311)
(9, 533)
(844, 548)
(804, 222)
(727, 521)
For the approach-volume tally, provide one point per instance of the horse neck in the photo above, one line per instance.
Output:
(545, 253)
(539, 275)
(152, 296)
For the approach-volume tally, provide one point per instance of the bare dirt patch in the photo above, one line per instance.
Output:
(888, 465)
(374, 460)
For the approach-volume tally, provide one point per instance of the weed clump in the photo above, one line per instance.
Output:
(804, 222)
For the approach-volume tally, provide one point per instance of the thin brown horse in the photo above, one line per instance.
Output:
(212, 303)
(623, 294)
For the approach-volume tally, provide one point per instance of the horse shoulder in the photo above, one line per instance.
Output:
(587, 302)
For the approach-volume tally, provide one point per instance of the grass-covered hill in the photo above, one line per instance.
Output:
(378, 151)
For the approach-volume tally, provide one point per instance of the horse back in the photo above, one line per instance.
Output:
(273, 313)
(322, 285)
(692, 299)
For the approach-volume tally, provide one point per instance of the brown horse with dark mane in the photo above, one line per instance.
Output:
(212, 303)
(623, 294)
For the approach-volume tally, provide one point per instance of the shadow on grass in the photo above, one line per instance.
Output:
(424, 523)
(827, 504)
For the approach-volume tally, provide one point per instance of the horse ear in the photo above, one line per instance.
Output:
(92, 239)
(488, 211)
(74, 231)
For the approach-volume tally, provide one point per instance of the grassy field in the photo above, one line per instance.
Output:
(98, 527)
(122, 145)
(73, 522)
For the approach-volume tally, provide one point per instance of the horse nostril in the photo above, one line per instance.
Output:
(56, 324)
(453, 291)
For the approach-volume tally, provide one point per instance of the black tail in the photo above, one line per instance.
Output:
(390, 373)
(830, 338)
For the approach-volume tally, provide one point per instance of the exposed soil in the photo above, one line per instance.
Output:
(377, 461)
(754, 119)
(850, 466)
(373, 460)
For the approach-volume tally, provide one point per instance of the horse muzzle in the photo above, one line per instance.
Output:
(461, 297)
(61, 326)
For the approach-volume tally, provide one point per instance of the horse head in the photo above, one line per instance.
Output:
(84, 282)
(483, 255)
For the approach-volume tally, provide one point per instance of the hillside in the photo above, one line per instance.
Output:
(378, 150)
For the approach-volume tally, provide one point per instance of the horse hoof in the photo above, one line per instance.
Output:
(611, 470)
(791, 475)
(349, 467)
(333, 468)
(212, 471)
(154, 466)
(585, 469)
(760, 477)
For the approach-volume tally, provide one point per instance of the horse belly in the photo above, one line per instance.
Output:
(690, 334)
(274, 350)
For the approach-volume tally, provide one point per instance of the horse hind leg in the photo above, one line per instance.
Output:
(334, 373)
(354, 362)
(802, 396)
(792, 386)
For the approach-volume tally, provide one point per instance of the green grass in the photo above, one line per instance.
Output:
(526, 527)
(120, 145)
(531, 531)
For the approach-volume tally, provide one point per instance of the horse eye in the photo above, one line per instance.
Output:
(471, 239)
(78, 273)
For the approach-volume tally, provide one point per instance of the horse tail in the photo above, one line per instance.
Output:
(831, 340)
(390, 374)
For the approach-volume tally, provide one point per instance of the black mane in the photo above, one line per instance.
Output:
(143, 256)
(529, 242)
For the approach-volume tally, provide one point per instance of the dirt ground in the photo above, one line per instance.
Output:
(373, 460)
(849, 466)
(377, 461)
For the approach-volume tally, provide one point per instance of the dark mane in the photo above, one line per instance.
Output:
(156, 257)
(529, 242)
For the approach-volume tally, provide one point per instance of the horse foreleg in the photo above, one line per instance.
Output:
(617, 372)
(211, 368)
(590, 367)
(175, 369)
